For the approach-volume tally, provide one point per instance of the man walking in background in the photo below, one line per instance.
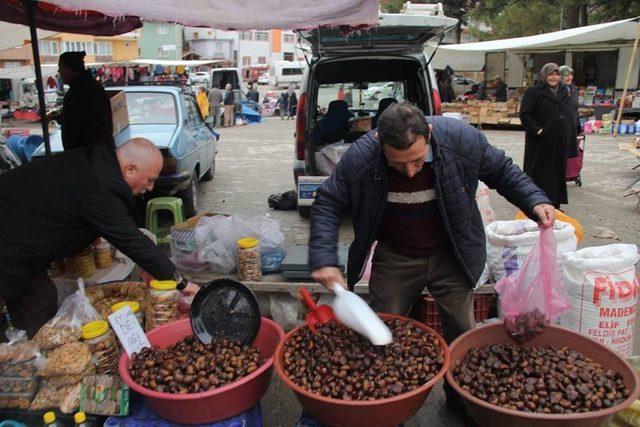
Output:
(229, 105)
(215, 101)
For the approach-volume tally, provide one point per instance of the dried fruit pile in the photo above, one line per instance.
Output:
(526, 326)
(190, 366)
(535, 379)
(339, 363)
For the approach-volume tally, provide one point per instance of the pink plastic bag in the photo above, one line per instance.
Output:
(534, 296)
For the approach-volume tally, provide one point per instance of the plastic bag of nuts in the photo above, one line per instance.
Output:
(162, 303)
(533, 296)
(66, 326)
(69, 359)
(248, 262)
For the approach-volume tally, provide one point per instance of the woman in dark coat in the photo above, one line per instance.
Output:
(566, 74)
(545, 115)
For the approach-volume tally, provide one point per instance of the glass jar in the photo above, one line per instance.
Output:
(135, 307)
(102, 253)
(162, 303)
(103, 346)
(248, 259)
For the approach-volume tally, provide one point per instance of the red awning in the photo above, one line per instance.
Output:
(53, 18)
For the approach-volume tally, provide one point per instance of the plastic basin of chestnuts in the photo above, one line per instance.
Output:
(486, 414)
(380, 413)
(213, 405)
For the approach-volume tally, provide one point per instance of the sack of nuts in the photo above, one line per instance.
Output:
(533, 296)
(66, 326)
(69, 359)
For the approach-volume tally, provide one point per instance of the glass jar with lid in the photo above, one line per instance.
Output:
(162, 303)
(135, 308)
(248, 259)
(102, 343)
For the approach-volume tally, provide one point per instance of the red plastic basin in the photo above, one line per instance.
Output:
(379, 413)
(486, 414)
(213, 405)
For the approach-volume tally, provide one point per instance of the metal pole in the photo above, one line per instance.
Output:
(31, 6)
(632, 60)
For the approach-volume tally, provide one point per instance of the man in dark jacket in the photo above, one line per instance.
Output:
(411, 186)
(252, 94)
(501, 89)
(86, 110)
(55, 207)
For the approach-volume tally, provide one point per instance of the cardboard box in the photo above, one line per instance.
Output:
(119, 111)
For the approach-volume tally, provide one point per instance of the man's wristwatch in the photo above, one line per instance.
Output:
(181, 282)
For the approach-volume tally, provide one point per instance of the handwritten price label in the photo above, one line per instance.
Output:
(128, 330)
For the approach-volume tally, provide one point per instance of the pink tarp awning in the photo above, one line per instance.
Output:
(237, 14)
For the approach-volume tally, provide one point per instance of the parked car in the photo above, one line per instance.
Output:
(463, 85)
(170, 119)
(263, 79)
(199, 78)
(387, 90)
(389, 56)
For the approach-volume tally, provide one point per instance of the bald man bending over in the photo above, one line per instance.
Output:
(57, 206)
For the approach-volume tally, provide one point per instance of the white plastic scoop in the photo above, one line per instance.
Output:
(356, 314)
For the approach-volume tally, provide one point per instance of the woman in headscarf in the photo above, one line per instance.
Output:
(566, 74)
(546, 118)
(382, 105)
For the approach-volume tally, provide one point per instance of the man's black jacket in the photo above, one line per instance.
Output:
(54, 207)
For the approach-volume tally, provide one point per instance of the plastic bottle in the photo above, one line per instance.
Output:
(49, 419)
(80, 419)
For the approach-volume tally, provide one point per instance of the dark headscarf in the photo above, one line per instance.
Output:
(382, 105)
(73, 60)
(548, 69)
(336, 122)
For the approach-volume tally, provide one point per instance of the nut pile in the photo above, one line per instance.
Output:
(535, 379)
(190, 366)
(339, 363)
(526, 326)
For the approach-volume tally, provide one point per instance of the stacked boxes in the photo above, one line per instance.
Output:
(487, 112)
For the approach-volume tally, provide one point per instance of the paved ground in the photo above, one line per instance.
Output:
(255, 161)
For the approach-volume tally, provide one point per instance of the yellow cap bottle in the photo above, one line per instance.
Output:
(79, 418)
(49, 418)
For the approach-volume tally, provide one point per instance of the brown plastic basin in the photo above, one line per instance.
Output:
(376, 413)
(486, 414)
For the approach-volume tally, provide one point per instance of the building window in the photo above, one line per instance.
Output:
(288, 56)
(49, 48)
(163, 53)
(102, 48)
(262, 36)
(288, 38)
(195, 35)
(87, 47)
(246, 60)
(246, 35)
(262, 59)
(162, 30)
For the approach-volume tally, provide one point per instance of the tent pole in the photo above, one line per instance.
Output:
(632, 60)
(31, 6)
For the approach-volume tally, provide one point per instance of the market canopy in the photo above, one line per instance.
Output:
(471, 56)
(238, 15)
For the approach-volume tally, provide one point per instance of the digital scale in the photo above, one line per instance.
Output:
(307, 187)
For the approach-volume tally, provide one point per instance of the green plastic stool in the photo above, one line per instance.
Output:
(171, 204)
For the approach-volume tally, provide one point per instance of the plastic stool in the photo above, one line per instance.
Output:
(171, 204)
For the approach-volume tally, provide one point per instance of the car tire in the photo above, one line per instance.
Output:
(190, 197)
(208, 175)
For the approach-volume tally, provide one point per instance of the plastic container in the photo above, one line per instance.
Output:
(162, 303)
(380, 413)
(135, 307)
(486, 414)
(102, 253)
(426, 310)
(80, 419)
(103, 346)
(248, 260)
(213, 405)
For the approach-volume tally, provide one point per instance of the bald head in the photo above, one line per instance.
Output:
(140, 164)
